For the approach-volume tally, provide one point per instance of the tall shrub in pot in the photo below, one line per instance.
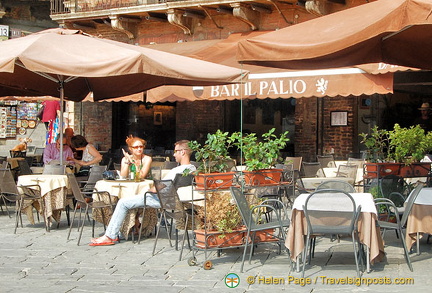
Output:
(213, 157)
(261, 154)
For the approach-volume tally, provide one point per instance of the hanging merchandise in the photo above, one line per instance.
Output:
(53, 130)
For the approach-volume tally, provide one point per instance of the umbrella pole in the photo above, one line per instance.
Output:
(61, 83)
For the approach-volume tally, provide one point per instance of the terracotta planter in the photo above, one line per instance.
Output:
(386, 218)
(265, 236)
(378, 170)
(415, 170)
(214, 180)
(262, 177)
(214, 239)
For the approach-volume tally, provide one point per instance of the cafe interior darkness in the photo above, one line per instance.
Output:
(156, 123)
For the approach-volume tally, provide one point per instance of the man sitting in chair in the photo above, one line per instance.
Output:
(182, 154)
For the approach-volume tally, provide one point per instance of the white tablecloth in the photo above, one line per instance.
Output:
(331, 172)
(424, 197)
(46, 182)
(123, 188)
(364, 199)
(310, 183)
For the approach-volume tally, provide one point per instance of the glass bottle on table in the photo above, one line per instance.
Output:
(132, 171)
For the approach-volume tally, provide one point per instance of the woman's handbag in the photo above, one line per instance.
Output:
(110, 175)
(84, 171)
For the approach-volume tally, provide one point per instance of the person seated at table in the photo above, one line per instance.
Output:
(51, 154)
(137, 158)
(90, 156)
(182, 154)
(68, 134)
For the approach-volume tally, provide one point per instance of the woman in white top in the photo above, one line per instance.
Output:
(90, 156)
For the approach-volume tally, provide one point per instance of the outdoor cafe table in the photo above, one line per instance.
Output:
(368, 232)
(118, 189)
(54, 189)
(420, 219)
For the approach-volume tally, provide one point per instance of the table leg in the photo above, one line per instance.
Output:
(367, 259)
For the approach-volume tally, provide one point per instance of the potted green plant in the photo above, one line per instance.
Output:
(409, 146)
(214, 160)
(260, 155)
(378, 154)
(397, 151)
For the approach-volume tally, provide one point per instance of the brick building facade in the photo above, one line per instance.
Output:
(106, 124)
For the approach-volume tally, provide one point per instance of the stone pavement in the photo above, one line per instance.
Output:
(39, 261)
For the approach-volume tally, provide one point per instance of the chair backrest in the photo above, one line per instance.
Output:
(95, 175)
(287, 171)
(347, 171)
(326, 161)
(117, 166)
(7, 182)
(168, 197)
(39, 151)
(181, 181)
(76, 191)
(17, 154)
(330, 211)
(3, 158)
(312, 169)
(24, 168)
(4, 165)
(295, 161)
(336, 184)
(391, 183)
(242, 205)
(169, 165)
(409, 203)
(196, 164)
(29, 161)
(358, 162)
(54, 169)
(158, 159)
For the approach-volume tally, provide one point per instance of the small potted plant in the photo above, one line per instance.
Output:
(260, 155)
(214, 158)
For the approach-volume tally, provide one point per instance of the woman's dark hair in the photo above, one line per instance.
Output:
(78, 141)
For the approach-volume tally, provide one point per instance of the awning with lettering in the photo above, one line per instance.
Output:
(266, 82)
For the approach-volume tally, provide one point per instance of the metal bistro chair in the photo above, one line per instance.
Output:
(386, 206)
(336, 184)
(254, 223)
(54, 169)
(295, 161)
(394, 188)
(81, 203)
(326, 161)
(312, 169)
(24, 168)
(331, 212)
(171, 207)
(9, 192)
(94, 176)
